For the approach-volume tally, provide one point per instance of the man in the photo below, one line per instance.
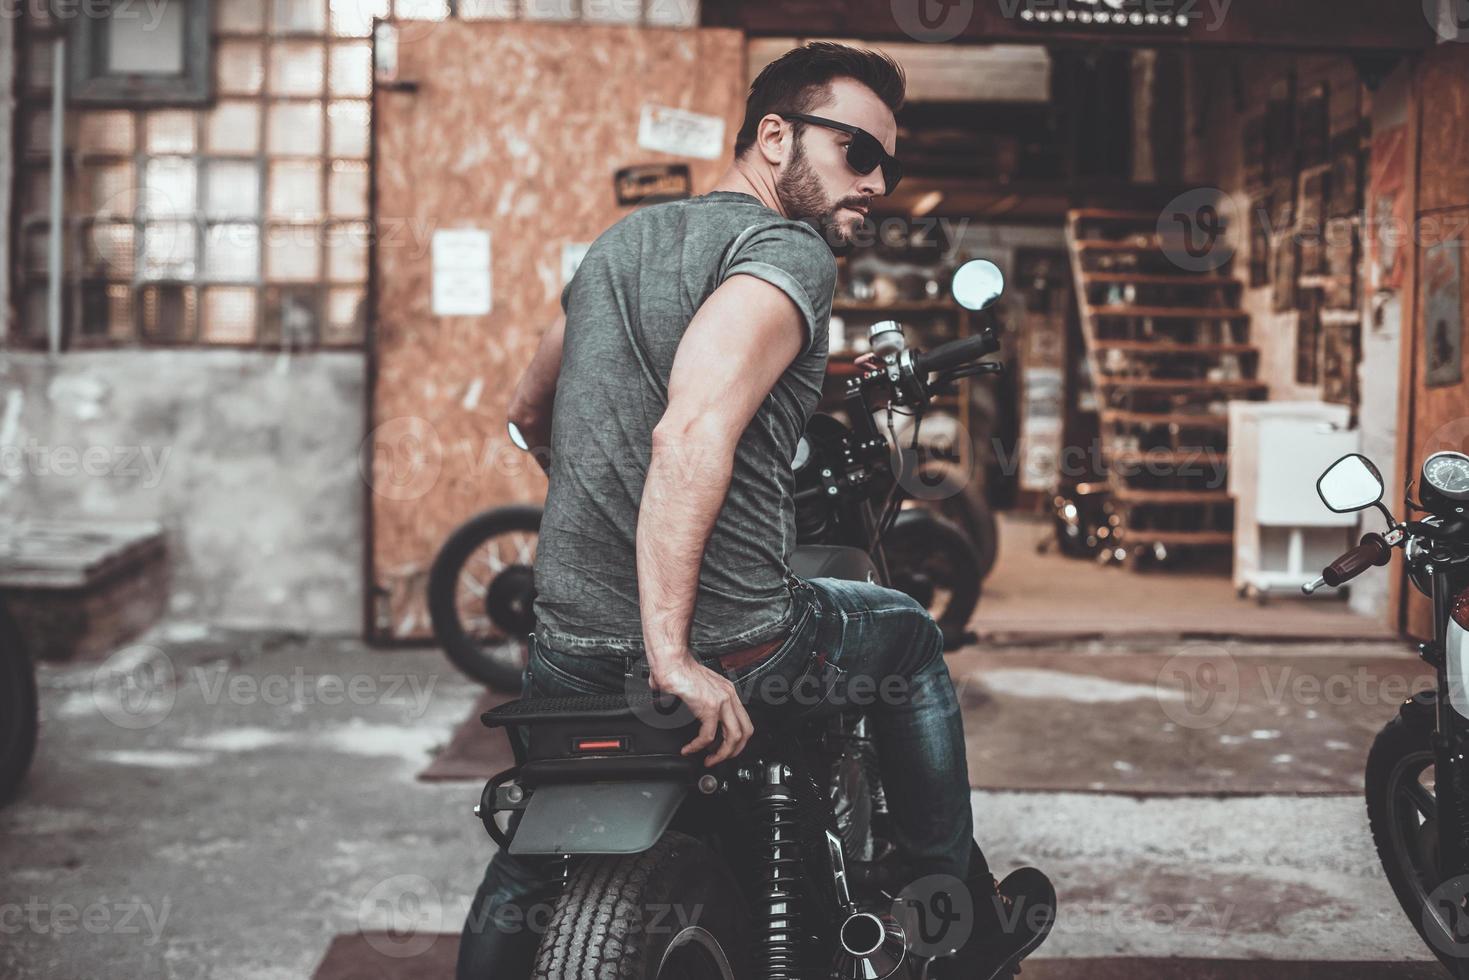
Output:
(690, 356)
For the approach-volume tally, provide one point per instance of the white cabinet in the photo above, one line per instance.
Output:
(1283, 534)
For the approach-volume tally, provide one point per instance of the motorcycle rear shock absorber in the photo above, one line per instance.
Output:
(779, 850)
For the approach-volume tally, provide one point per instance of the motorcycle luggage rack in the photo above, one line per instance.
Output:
(589, 707)
(603, 736)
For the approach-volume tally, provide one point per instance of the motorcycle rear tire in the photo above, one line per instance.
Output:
(19, 718)
(686, 903)
(1402, 747)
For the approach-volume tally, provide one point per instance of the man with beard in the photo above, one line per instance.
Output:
(672, 394)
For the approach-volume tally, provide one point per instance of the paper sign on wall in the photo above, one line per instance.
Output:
(678, 131)
(461, 270)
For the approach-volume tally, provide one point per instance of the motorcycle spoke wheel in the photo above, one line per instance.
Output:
(481, 594)
(489, 610)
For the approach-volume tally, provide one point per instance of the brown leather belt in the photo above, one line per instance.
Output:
(742, 658)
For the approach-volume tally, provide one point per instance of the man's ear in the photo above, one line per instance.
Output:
(772, 138)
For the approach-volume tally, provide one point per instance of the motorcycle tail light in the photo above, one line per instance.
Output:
(1459, 611)
(615, 743)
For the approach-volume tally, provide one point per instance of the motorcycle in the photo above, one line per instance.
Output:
(1417, 782)
(780, 859)
(942, 545)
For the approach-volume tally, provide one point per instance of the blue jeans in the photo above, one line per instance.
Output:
(853, 643)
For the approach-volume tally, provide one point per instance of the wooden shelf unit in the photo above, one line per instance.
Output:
(1167, 347)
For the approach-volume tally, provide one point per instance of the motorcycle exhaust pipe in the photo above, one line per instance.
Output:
(871, 946)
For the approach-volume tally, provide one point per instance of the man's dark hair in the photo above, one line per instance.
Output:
(800, 79)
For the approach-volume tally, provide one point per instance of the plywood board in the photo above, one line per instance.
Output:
(516, 129)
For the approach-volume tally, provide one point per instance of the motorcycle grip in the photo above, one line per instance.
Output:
(956, 352)
(1373, 550)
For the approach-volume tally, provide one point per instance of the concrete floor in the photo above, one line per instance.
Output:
(1031, 594)
(239, 800)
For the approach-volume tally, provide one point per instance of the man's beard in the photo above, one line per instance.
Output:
(801, 197)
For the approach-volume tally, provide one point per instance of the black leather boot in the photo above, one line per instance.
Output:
(1012, 918)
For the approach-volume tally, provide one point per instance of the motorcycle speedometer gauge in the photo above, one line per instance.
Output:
(1448, 473)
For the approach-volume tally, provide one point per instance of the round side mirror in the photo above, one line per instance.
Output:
(977, 284)
(1351, 483)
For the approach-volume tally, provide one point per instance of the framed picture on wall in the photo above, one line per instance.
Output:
(1343, 186)
(1308, 339)
(1311, 223)
(1312, 127)
(1443, 316)
(1339, 354)
(1261, 225)
(1280, 131)
(1283, 205)
(1283, 271)
(1341, 264)
(1256, 175)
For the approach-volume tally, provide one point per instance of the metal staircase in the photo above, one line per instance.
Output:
(1168, 348)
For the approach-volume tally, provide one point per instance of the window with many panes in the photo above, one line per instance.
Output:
(243, 221)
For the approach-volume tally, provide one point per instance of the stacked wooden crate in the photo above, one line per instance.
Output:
(1168, 349)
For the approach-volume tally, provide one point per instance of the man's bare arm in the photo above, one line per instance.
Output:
(737, 346)
(530, 405)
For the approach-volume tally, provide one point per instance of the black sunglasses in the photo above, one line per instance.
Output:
(864, 153)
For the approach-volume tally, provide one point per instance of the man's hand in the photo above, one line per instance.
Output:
(712, 699)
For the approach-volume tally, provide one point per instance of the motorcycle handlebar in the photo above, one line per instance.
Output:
(1373, 550)
(955, 353)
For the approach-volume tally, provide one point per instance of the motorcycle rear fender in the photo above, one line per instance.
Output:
(617, 797)
(624, 817)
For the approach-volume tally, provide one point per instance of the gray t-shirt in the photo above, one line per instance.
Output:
(627, 308)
